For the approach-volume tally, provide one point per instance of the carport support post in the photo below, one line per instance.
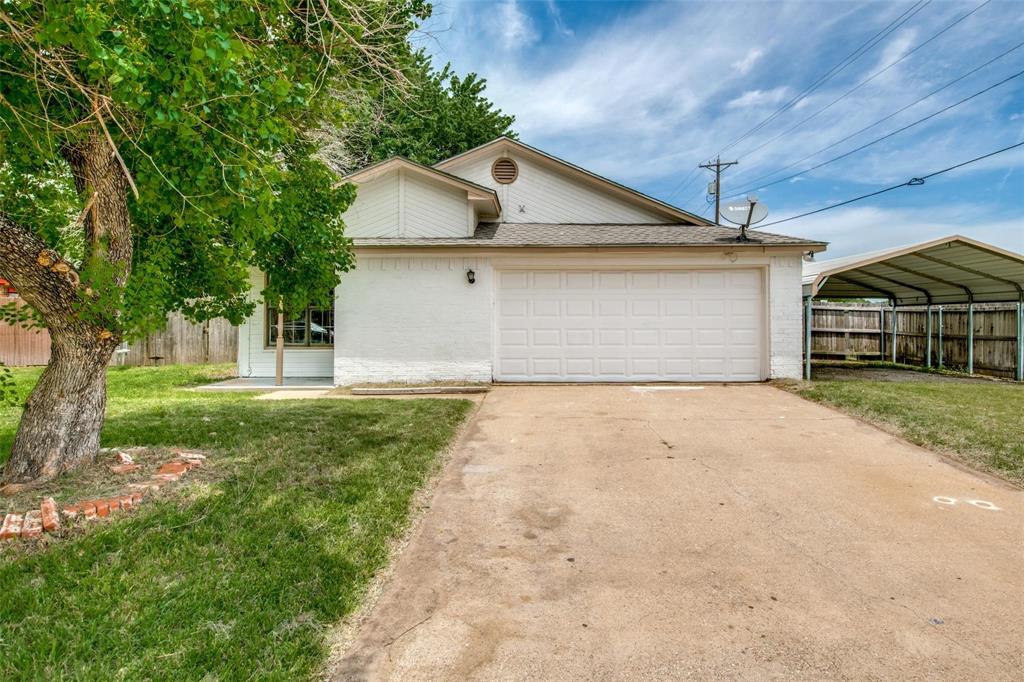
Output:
(894, 332)
(970, 337)
(808, 320)
(940, 336)
(1020, 340)
(928, 333)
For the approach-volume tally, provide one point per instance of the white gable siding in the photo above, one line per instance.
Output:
(374, 213)
(433, 209)
(544, 194)
(405, 204)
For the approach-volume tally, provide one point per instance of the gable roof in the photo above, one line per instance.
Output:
(549, 235)
(675, 213)
(475, 192)
(953, 269)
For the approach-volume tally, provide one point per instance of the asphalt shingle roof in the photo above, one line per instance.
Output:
(565, 235)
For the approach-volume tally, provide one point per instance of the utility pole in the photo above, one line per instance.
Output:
(718, 166)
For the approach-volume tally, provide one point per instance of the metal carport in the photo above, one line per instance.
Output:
(949, 270)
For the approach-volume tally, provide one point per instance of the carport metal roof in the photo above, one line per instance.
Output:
(952, 269)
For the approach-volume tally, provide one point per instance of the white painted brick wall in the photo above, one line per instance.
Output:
(413, 319)
(417, 319)
(786, 313)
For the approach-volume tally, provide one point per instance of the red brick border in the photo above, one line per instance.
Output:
(33, 523)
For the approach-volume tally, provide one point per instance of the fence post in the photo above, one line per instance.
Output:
(1020, 340)
(808, 323)
(940, 337)
(881, 334)
(970, 337)
(928, 332)
(894, 332)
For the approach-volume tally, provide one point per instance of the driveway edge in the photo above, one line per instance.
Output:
(343, 634)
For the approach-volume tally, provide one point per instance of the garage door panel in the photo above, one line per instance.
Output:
(583, 367)
(579, 280)
(514, 337)
(611, 337)
(641, 307)
(579, 337)
(629, 325)
(611, 280)
(547, 367)
(644, 280)
(711, 280)
(645, 337)
(547, 337)
(512, 307)
(547, 280)
(579, 308)
(611, 367)
(678, 337)
(511, 281)
(514, 367)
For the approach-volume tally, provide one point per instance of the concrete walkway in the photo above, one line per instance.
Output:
(616, 533)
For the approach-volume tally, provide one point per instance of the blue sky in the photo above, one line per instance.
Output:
(642, 92)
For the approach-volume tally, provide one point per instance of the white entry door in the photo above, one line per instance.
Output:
(629, 325)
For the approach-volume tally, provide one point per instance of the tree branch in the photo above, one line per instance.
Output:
(46, 281)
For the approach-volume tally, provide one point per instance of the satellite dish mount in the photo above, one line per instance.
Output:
(745, 213)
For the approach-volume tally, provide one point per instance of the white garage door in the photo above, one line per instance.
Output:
(629, 325)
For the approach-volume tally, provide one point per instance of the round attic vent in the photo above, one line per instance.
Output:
(505, 171)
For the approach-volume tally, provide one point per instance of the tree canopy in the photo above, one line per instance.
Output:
(153, 151)
(440, 115)
(205, 104)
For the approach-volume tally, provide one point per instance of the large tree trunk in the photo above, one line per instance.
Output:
(60, 428)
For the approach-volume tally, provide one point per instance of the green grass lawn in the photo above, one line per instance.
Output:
(979, 424)
(241, 574)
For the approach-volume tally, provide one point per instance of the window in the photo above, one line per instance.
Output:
(312, 327)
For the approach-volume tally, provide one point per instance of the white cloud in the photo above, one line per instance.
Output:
(757, 98)
(753, 56)
(516, 27)
(556, 18)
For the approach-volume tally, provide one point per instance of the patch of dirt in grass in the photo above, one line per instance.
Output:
(98, 481)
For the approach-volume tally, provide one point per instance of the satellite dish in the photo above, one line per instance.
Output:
(747, 212)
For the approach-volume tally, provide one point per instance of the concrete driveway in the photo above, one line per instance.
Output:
(617, 532)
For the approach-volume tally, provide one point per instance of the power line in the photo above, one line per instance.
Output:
(865, 81)
(685, 182)
(895, 113)
(912, 182)
(852, 57)
(877, 139)
(900, 20)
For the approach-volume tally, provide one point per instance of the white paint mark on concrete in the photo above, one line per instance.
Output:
(651, 389)
(944, 500)
(984, 504)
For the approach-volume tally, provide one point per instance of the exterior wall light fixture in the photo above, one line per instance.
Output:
(470, 276)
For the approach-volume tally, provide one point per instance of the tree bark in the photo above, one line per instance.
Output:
(60, 427)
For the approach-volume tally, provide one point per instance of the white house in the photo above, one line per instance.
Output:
(507, 264)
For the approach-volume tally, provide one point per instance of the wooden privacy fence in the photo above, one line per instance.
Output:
(180, 343)
(865, 332)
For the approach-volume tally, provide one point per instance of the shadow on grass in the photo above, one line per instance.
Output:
(237, 578)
